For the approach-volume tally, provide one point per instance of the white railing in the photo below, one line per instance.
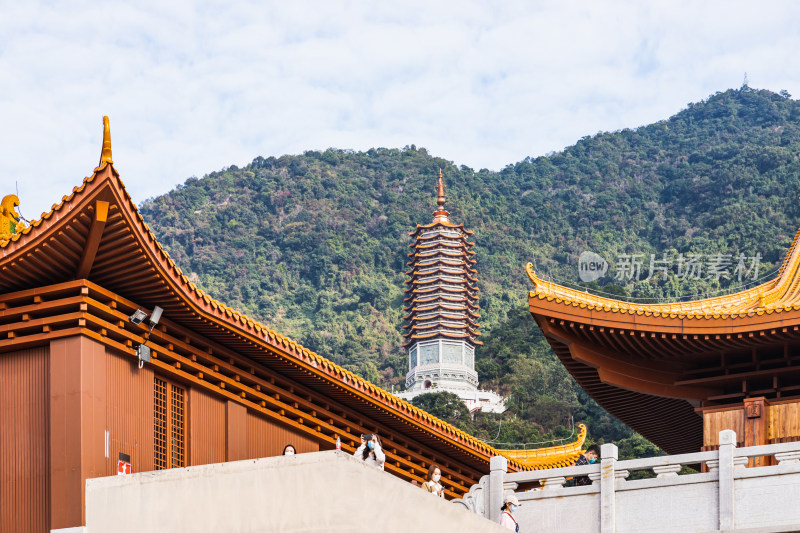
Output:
(724, 495)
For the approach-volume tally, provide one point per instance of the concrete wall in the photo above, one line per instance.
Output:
(325, 491)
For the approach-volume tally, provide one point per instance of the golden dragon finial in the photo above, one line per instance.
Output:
(10, 222)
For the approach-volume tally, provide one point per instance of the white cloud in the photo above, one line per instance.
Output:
(193, 87)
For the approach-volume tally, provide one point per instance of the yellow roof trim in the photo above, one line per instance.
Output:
(779, 294)
(552, 457)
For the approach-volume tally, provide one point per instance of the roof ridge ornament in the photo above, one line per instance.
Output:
(10, 220)
(441, 214)
(105, 153)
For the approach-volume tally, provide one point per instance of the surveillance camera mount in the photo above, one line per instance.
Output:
(142, 350)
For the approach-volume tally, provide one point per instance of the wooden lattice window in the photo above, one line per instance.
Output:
(169, 425)
(177, 427)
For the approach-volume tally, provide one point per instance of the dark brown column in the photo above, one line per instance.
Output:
(756, 429)
(77, 425)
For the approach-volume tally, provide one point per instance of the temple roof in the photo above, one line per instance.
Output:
(552, 456)
(775, 296)
(654, 365)
(97, 233)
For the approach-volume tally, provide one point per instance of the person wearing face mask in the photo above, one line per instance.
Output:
(510, 505)
(289, 450)
(589, 457)
(432, 485)
(370, 451)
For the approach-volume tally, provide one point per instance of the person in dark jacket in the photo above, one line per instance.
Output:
(588, 457)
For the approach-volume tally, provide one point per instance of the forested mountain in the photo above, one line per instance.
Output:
(315, 244)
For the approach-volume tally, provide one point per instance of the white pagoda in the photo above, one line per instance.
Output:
(442, 312)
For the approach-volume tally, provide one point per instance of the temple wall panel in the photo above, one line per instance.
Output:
(266, 438)
(236, 431)
(784, 423)
(24, 441)
(207, 428)
(716, 421)
(129, 391)
(781, 421)
(77, 423)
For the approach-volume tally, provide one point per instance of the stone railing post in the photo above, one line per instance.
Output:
(727, 445)
(498, 466)
(608, 464)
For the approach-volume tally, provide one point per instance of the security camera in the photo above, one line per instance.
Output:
(155, 316)
(138, 316)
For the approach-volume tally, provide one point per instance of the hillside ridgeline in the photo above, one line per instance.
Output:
(315, 244)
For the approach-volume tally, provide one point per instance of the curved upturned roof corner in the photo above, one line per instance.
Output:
(552, 456)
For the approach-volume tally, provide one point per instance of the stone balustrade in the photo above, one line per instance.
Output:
(718, 492)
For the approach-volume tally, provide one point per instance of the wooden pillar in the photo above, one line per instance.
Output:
(77, 425)
(235, 431)
(756, 427)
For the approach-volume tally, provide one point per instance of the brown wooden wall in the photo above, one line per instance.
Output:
(222, 430)
(56, 404)
(784, 423)
(78, 404)
(206, 428)
(716, 421)
(780, 421)
(129, 413)
(265, 439)
(24, 441)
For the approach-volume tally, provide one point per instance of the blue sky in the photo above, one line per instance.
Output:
(192, 87)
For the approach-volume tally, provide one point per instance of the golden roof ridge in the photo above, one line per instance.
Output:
(779, 294)
(543, 458)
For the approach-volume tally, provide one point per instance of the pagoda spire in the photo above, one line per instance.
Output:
(105, 153)
(440, 215)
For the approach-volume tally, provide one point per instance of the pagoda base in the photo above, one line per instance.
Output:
(475, 400)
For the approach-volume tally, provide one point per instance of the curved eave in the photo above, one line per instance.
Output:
(415, 276)
(441, 277)
(462, 239)
(31, 258)
(441, 315)
(552, 456)
(669, 422)
(439, 223)
(413, 312)
(423, 246)
(448, 253)
(425, 288)
(411, 339)
(770, 302)
(470, 308)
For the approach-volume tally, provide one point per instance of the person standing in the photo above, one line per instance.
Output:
(432, 485)
(370, 451)
(589, 457)
(507, 519)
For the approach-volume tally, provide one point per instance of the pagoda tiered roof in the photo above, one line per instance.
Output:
(654, 365)
(441, 265)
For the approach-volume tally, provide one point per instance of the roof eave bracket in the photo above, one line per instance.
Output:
(93, 239)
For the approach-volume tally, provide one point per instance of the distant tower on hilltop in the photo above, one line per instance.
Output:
(441, 302)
